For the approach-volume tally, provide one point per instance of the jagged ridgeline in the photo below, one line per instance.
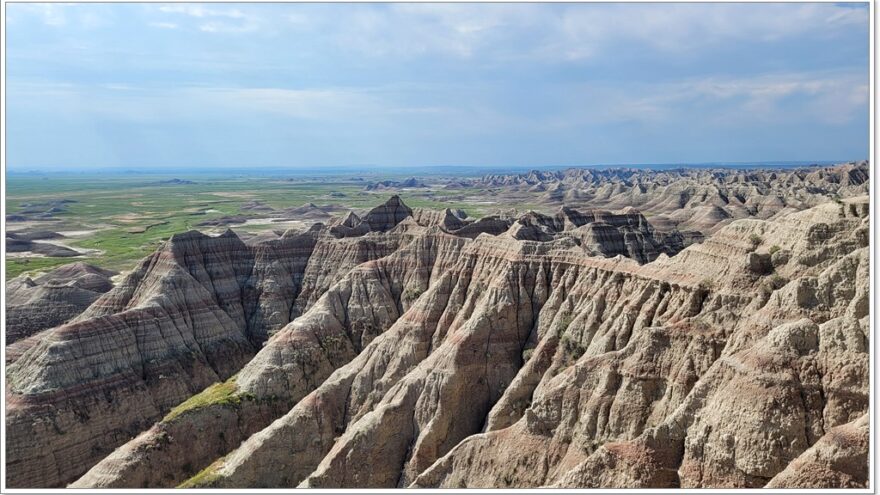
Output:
(428, 349)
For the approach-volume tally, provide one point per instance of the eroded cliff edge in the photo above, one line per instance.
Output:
(419, 349)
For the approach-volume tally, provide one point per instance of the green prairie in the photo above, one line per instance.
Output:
(117, 219)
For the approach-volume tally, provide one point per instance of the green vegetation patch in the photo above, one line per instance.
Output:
(222, 394)
(755, 241)
(132, 214)
(573, 347)
(410, 294)
(204, 478)
(17, 266)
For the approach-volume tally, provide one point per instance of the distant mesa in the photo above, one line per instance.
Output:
(257, 210)
(410, 183)
(30, 242)
(34, 235)
(223, 221)
(175, 182)
(256, 205)
(44, 210)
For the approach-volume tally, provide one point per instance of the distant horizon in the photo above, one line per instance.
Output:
(532, 84)
(367, 169)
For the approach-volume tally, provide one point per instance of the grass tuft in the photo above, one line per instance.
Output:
(204, 478)
(222, 394)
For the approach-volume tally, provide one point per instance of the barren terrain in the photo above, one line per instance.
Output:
(583, 328)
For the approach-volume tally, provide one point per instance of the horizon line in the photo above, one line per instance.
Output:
(376, 167)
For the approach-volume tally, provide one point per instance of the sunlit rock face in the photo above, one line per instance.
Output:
(404, 347)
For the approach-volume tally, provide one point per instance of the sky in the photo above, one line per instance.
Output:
(398, 85)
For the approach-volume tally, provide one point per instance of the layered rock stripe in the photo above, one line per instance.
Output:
(415, 348)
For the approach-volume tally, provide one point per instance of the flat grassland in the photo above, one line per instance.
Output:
(117, 219)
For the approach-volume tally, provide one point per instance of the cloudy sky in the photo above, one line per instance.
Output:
(315, 85)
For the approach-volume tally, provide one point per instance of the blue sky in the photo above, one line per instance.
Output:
(321, 85)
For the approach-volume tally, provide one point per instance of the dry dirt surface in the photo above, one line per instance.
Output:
(415, 348)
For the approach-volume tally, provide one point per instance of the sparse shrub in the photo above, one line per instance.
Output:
(572, 347)
(773, 249)
(410, 294)
(777, 281)
(204, 478)
(770, 285)
(755, 240)
(565, 322)
(162, 438)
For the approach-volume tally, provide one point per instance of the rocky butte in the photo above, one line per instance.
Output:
(415, 348)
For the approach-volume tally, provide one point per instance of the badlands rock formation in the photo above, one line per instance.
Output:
(690, 199)
(38, 243)
(36, 304)
(426, 349)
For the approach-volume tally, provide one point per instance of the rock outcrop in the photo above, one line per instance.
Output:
(701, 200)
(39, 243)
(189, 315)
(409, 348)
(592, 372)
(51, 299)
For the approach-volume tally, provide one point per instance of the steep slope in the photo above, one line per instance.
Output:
(190, 315)
(701, 200)
(193, 314)
(310, 347)
(36, 304)
(727, 397)
(514, 334)
(649, 346)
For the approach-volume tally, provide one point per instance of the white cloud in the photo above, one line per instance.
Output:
(61, 16)
(567, 31)
(326, 104)
(201, 11)
(822, 98)
(52, 14)
(688, 28)
(164, 25)
(225, 27)
(826, 98)
(214, 20)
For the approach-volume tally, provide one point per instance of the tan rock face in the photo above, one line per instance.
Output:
(37, 304)
(191, 314)
(424, 349)
(701, 200)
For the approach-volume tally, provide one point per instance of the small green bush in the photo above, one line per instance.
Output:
(756, 240)
(572, 347)
(411, 294)
(565, 322)
(223, 394)
(204, 478)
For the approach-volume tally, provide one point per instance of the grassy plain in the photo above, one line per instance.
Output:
(121, 218)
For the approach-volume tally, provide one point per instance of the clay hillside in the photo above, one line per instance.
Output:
(687, 199)
(698, 329)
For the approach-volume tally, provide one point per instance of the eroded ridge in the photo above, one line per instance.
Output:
(416, 348)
